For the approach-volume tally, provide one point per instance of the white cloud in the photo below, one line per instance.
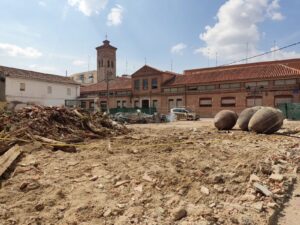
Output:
(79, 62)
(17, 51)
(236, 29)
(273, 11)
(42, 3)
(178, 49)
(88, 7)
(115, 17)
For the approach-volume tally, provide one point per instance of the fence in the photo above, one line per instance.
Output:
(290, 110)
(149, 111)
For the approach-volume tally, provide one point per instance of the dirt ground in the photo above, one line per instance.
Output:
(177, 173)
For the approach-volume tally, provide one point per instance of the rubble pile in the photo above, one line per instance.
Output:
(158, 174)
(54, 125)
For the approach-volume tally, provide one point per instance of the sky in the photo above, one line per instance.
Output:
(59, 36)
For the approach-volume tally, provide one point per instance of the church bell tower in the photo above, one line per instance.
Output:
(106, 62)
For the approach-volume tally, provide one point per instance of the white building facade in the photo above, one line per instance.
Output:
(36, 88)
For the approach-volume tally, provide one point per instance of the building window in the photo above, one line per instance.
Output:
(145, 84)
(49, 90)
(206, 87)
(230, 86)
(136, 104)
(174, 90)
(179, 102)
(123, 104)
(101, 62)
(154, 103)
(260, 84)
(68, 91)
(112, 64)
(228, 102)
(253, 101)
(284, 82)
(171, 103)
(81, 77)
(280, 99)
(205, 102)
(154, 83)
(192, 88)
(137, 85)
(92, 105)
(83, 104)
(103, 106)
(22, 86)
(118, 104)
(91, 78)
(108, 63)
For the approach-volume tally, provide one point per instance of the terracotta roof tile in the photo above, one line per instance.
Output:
(267, 70)
(32, 75)
(120, 83)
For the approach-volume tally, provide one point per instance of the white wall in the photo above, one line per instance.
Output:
(2, 90)
(37, 92)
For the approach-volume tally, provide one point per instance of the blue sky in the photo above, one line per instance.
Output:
(58, 35)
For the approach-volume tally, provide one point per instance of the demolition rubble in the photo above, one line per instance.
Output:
(183, 173)
(54, 125)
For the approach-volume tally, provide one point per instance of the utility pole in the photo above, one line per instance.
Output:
(247, 49)
(274, 52)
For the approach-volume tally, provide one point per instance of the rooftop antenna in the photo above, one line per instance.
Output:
(105, 36)
(66, 73)
(247, 50)
(89, 63)
(208, 51)
(126, 71)
(145, 61)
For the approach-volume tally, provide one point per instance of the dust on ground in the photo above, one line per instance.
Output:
(176, 173)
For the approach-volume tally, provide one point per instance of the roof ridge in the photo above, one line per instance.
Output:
(288, 67)
(236, 66)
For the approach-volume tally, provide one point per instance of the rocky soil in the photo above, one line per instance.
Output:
(177, 173)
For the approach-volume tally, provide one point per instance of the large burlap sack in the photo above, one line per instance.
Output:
(266, 121)
(245, 117)
(225, 120)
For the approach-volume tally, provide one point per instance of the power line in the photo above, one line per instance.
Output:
(262, 54)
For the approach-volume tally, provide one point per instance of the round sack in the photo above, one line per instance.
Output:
(245, 117)
(266, 121)
(225, 120)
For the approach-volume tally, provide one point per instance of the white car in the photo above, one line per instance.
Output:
(184, 113)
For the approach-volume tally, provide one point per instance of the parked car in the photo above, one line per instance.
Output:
(184, 113)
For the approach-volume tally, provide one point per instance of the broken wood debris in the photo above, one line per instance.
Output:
(8, 158)
(57, 126)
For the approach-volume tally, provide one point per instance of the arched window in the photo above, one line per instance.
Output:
(108, 63)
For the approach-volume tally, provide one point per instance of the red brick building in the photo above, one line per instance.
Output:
(205, 91)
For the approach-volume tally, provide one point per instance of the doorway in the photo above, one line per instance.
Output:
(145, 104)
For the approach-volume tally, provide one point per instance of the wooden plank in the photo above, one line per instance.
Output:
(8, 158)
